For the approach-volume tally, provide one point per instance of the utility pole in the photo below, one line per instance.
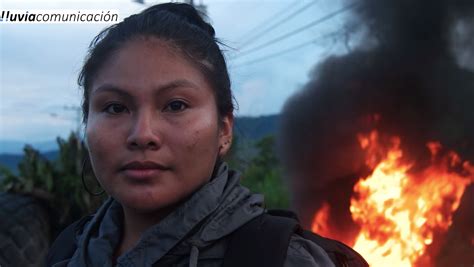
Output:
(78, 111)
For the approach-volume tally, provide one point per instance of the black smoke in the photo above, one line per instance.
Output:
(411, 69)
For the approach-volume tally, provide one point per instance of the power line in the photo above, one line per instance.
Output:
(284, 51)
(268, 29)
(311, 24)
(251, 32)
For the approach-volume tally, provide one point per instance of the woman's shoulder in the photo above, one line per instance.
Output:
(277, 237)
(305, 253)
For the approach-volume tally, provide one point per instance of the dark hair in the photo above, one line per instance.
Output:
(179, 24)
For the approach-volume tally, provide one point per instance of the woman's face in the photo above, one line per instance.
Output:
(153, 130)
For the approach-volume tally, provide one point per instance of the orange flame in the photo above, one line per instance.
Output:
(321, 219)
(400, 212)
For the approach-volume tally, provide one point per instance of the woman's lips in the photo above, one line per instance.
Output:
(142, 174)
(141, 170)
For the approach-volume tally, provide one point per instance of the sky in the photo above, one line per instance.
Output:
(39, 95)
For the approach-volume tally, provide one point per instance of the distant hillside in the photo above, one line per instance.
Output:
(255, 128)
(16, 147)
(246, 129)
(11, 160)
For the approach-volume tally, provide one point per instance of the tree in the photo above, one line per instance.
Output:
(263, 175)
(56, 183)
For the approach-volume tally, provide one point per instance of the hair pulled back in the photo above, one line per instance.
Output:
(179, 24)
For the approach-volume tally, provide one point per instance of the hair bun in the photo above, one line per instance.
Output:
(187, 12)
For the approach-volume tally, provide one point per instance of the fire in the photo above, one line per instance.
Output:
(400, 212)
(320, 222)
(400, 209)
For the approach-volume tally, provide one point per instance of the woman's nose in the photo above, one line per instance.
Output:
(142, 134)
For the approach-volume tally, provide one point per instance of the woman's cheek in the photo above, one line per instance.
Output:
(200, 135)
(99, 146)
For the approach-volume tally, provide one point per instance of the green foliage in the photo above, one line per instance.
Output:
(58, 183)
(263, 175)
(35, 171)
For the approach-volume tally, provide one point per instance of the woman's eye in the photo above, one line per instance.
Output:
(115, 108)
(176, 106)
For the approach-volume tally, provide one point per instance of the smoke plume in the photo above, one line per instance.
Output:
(411, 77)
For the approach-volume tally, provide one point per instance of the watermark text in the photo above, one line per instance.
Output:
(58, 16)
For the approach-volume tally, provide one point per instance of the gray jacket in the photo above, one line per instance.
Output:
(195, 234)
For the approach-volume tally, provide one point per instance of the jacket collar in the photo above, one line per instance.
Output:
(215, 210)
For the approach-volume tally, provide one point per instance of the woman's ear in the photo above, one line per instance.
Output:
(225, 134)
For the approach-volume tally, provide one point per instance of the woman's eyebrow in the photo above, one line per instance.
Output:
(111, 88)
(176, 84)
(166, 87)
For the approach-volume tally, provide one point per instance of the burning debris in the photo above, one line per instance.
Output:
(387, 193)
(400, 211)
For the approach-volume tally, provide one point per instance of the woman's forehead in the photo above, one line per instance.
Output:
(149, 66)
(140, 62)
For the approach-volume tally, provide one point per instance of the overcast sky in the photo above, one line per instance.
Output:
(40, 62)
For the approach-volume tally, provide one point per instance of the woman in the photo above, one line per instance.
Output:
(158, 114)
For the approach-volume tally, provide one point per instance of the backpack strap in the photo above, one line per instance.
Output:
(65, 244)
(340, 254)
(256, 243)
(264, 242)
